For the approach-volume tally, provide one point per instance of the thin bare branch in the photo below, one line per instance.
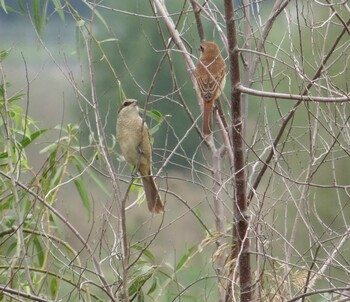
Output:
(293, 97)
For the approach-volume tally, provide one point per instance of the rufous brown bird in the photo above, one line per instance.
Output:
(211, 77)
(135, 145)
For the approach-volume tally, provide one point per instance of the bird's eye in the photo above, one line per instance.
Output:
(201, 48)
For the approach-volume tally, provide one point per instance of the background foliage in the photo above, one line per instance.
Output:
(63, 182)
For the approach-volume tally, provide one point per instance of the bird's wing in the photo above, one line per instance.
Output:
(146, 156)
(209, 84)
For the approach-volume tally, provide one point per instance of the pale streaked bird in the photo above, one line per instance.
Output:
(211, 77)
(135, 144)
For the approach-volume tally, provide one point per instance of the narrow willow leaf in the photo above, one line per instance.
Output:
(39, 251)
(37, 15)
(2, 3)
(138, 283)
(80, 165)
(25, 142)
(153, 114)
(53, 287)
(145, 252)
(3, 54)
(21, 6)
(7, 9)
(15, 98)
(155, 129)
(54, 181)
(28, 140)
(59, 9)
(140, 297)
(108, 40)
(11, 248)
(83, 193)
(185, 257)
(50, 148)
(93, 9)
(4, 155)
(156, 115)
(79, 37)
(153, 286)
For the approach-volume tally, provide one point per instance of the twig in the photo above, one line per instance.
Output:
(317, 292)
(278, 7)
(9, 291)
(99, 273)
(293, 110)
(293, 97)
(197, 14)
(14, 167)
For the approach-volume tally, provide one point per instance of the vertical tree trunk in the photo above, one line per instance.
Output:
(241, 222)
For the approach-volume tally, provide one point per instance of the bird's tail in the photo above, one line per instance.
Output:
(207, 117)
(154, 202)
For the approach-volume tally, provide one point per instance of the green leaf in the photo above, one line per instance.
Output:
(153, 286)
(3, 54)
(24, 142)
(93, 9)
(3, 155)
(59, 9)
(108, 40)
(139, 281)
(140, 297)
(185, 257)
(53, 287)
(120, 91)
(145, 252)
(156, 116)
(49, 149)
(6, 203)
(79, 37)
(155, 129)
(44, 15)
(55, 178)
(21, 6)
(39, 251)
(83, 193)
(2, 90)
(2, 3)
(36, 15)
(39, 15)
(153, 114)
(15, 98)
(8, 9)
(11, 248)
(27, 140)
(79, 164)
